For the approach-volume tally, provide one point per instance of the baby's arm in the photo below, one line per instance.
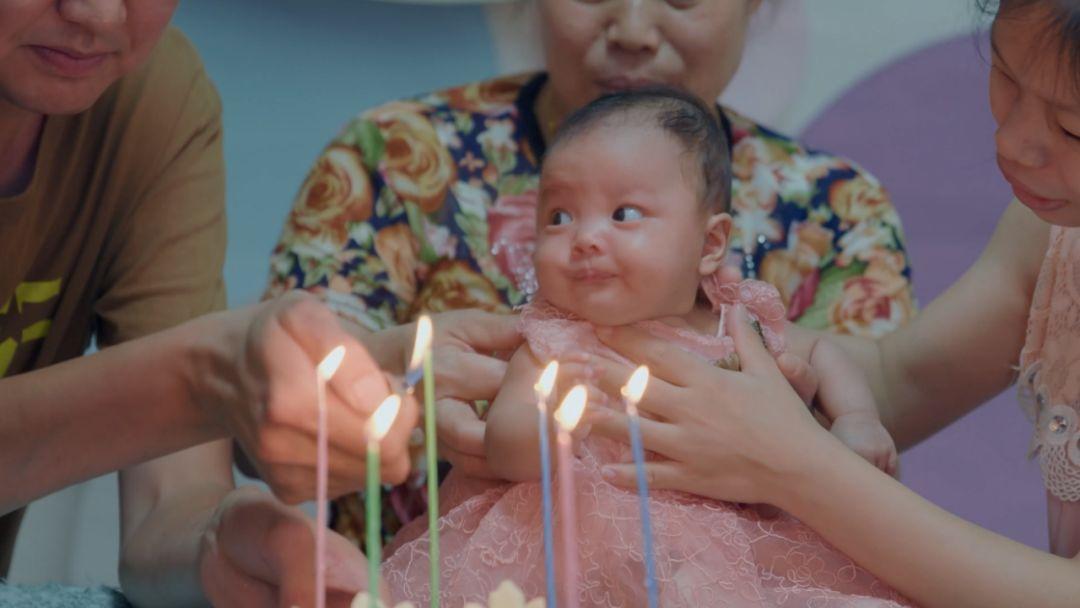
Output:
(511, 441)
(845, 397)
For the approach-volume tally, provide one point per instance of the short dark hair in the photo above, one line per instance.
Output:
(1063, 23)
(693, 124)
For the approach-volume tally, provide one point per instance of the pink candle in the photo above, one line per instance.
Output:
(327, 367)
(566, 418)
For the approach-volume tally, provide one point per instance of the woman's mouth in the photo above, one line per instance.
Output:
(69, 63)
(1034, 201)
(611, 84)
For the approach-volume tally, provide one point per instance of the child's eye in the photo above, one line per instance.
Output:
(627, 213)
(559, 218)
(1071, 135)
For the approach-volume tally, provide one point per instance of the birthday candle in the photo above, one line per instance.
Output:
(377, 427)
(421, 355)
(326, 369)
(567, 417)
(632, 393)
(543, 391)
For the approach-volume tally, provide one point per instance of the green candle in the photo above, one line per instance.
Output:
(378, 425)
(432, 463)
(373, 515)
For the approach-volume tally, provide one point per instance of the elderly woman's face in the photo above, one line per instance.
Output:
(59, 56)
(598, 46)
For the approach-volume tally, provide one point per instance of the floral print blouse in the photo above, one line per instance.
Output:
(416, 206)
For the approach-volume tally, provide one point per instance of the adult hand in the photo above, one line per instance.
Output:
(726, 435)
(257, 552)
(259, 383)
(469, 351)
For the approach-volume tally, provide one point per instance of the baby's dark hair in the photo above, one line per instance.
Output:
(1063, 25)
(690, 122)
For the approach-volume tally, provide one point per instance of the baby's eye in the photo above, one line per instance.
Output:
(627, 213)
(559, 218)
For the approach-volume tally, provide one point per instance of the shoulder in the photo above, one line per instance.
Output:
(448, 119)
(422, 146)
(776, 173)
(763, 158)
(149, 117)
(493, 97)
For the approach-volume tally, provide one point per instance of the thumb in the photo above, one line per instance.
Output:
(802, 377)
(490, 332)
(748, 343)
(346, 566)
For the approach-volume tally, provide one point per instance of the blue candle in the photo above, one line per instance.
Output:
(543, 391)
(632, 393)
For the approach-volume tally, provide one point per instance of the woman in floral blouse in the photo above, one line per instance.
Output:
(427, 205)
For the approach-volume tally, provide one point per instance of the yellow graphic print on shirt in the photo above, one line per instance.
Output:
(30, 292)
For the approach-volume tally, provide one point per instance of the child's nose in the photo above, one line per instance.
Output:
(588, 239)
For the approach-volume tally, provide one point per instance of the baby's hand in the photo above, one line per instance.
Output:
(864, 433)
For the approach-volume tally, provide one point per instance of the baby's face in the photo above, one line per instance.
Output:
(621, 230)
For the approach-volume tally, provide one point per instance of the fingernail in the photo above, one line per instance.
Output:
(607, 473)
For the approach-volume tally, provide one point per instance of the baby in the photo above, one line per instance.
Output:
(633, 229)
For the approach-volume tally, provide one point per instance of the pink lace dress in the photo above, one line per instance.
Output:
(1049, 386)
(708, 553)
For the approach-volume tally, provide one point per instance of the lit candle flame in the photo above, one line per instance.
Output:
(547, 380)
(423, 341)
(635, 387)
(573, 406)
(383, 418)
(329, 365)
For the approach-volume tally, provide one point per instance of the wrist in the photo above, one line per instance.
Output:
(210, 366)
(803, 467)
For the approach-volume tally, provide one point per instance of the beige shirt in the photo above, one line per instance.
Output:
(121, 230)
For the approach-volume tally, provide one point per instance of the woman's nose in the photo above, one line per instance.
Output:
(93, 14)
(632, 26)
(1021, 136)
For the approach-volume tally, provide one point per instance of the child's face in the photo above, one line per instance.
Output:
(1037, 108)
(621, 227)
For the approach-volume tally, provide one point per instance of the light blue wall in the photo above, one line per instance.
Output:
(291, 72)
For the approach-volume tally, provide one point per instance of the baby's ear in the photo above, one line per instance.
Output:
(717, 229)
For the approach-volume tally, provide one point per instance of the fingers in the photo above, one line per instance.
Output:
(318, 332)
(467, 376)
(730, 274)
(666, 361)
(665, 475)
(346, 566)
(802, 377)
(656, 436)
(487, 332)
(461, 438)
(472, 466)
(226, 585)
(608, 377)
(459, 427)
(752, 353)
(893, 466)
